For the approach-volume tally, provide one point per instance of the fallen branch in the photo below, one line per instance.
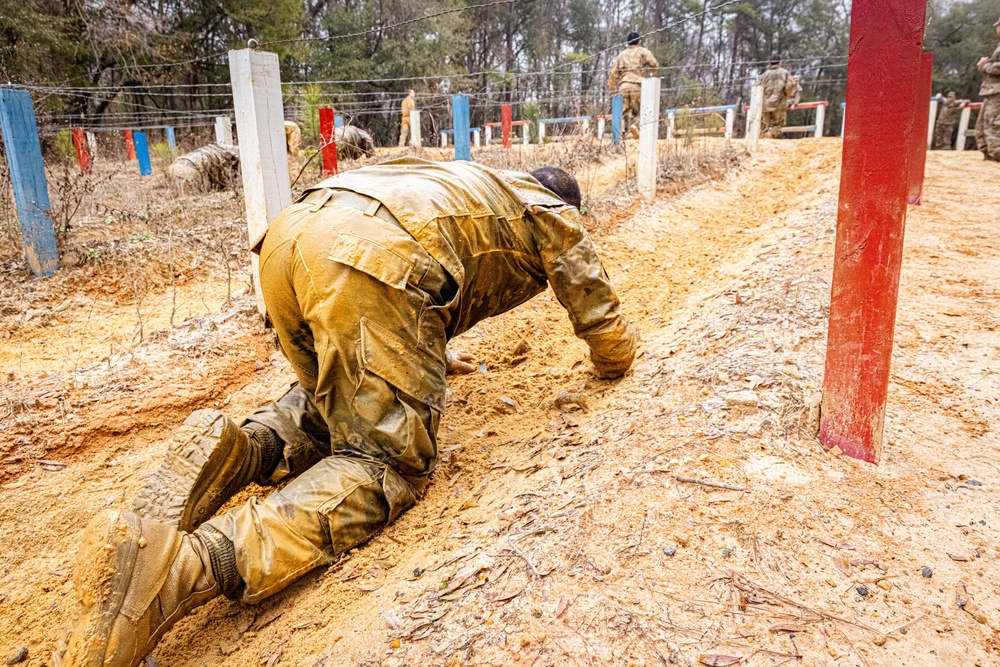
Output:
(714, 485)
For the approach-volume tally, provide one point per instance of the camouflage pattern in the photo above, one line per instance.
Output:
(211, 167)
(353, 143)
(988, 125)
(944, 126)
(293, 138)
(405, 108)
(779, 91)
(365, 279)
(796, 94)
(628, 70)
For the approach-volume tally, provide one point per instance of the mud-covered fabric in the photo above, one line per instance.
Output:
(632, 65)
(405, 108)
(631, 103)
(779, 88)
(988, 128)
(211, 167)
(991, 75)
(365, 279)
(773, 122)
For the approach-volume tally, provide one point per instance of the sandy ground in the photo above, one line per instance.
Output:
(556, 531)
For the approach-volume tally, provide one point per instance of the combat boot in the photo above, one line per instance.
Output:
(208, 460)
(135, 579)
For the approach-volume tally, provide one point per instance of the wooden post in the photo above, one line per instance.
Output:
(82, 152)
(541, 133)
(932, 118)
(444, 140)
(27, 175)
(338, 121)
(487, 135)
(820, 121)
(142, 153)
(600, 128)
(260, 121)
(171, 141)
(460, 125)
(475, 138)
(506, 124)
(881, 104)
(585, 129)
(753, 117)
(963, 127)
(671, 124)
(328, 139)
(649, 135)
(617, 107)
(525, 132)
(730, 121)
(918, 154)
(129, 144)
(92, 145)
(223, 131)
(415, 128)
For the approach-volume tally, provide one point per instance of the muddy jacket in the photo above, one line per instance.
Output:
(778, 88)
(631, 66)
(353, 142)
(406, 107)
(502, 238)
(991, 75)
(212, 166)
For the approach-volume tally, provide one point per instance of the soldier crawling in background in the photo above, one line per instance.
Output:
(211, 167)
(631, 66)
(779, 94)
(944, 128)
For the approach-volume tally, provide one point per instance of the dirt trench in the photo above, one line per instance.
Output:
(556, 531)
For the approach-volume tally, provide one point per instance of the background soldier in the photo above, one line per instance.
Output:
(944, 127)
(988, 125)
(406, 107)
(365, 278)
(353, 143)
(627, 72)
(293, 138)
(779, 90)
(211, 167)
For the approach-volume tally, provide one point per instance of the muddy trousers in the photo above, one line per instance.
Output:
(988, 128)
(943, 133)
(359, 445)
(404, 132)
(631, 96)
(773, 122)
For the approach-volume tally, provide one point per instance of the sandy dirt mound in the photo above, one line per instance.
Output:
(560, 530)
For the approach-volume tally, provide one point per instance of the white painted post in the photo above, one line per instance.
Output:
(930, 122)
(475, 138)
(223, 131)
(586, 126)
(600, 128)
(488, 135)
(843, 118)
(541, 133)
(730, 120)
(671, 124)
(92, 144)
(820, 121)
(963, 127)
(415, 128)
(649, 135)
(260, 121)
(444, 140)
(525, 132)
(753, 117)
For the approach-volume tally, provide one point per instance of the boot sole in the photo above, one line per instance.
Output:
(190, 484)
(101, 576)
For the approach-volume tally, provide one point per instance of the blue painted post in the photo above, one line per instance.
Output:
(616, 119)
(142, 153)
(171, 141)
(27, 172)
(460, 123)
(338, 121)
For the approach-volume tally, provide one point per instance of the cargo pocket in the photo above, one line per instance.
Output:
(402, 364)
(370, 257)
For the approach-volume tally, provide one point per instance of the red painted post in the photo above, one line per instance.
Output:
(874, 180)
(82, 150)
(921, 117)
(506, 124)
(328, 136)
(129, 144)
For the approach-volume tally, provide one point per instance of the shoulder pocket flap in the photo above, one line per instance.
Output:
(387, 355)
(372, 258)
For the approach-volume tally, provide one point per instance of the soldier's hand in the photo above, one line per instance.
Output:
(982, 63)
(460, 362)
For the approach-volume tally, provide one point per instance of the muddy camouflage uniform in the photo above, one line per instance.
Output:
(779, 89)
(405, 108)
(988, 125)
(353, 143)
(631, 66)
(293, 137)
(365, 279)
(211, 167)
(944, 126)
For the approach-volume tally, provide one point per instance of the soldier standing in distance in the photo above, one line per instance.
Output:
(779, 90)
(988, 126)
(944, 127)
(631, 66)
(406, 107)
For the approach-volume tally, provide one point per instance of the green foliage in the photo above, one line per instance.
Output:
(532, 111)
(959, 37)
(312, 98)
(162, 155)
(63, 148)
